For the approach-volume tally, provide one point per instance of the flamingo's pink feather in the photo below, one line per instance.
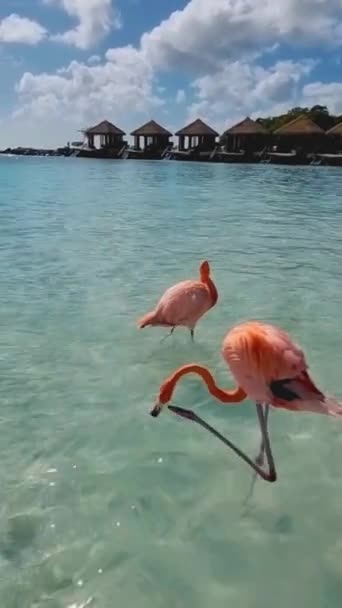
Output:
(149, 319)
(182, 304)
(258, 354)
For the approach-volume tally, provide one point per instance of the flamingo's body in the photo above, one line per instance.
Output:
(183, 304)
(270, 369)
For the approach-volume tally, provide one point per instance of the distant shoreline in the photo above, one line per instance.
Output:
(22, 151)
(279, 158)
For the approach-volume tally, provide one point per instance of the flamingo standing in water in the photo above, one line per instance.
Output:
(270, 369)
(183, 304)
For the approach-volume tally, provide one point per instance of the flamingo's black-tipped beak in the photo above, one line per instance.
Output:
(183, 413)
(156, 410)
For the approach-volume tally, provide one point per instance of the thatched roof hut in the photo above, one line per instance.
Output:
(334, 138)
(336, 131)
(247, 135)
(301, 134)
(246, 127)
(199, 134)
(302, 125)
(196, 129)
(150, 129)
(153, 134)
(104, 128)
(109, 134)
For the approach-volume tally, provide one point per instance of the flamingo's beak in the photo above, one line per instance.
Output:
(156, 410)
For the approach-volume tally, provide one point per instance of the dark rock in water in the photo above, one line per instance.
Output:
(22, 530)
(21, 533)
(284, 524)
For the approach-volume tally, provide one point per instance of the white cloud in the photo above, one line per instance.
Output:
(16, 29)
(240, 89)
(325, 94)
(95, 20)
(207, 32)
(94, 59)
(123, 85)
(180, 96)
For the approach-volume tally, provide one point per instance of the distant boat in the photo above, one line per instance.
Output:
(334, 160)
(238, 156)
(287, 158)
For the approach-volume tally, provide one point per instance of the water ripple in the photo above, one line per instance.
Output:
(101, 505)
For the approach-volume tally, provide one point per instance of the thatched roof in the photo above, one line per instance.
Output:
(104, 128)
(151, 128)
(302, 125)
(336, 130)
(196, 128)
(246, 127)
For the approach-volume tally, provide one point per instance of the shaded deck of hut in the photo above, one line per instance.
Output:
(247, 137)
(301, 135)
(156, 140)
(335, 131)
(197, 136)
(334, 135)
(109, 135)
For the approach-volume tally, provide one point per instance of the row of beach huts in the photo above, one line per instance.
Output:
(300, 141)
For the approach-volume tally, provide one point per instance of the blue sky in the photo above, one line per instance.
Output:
(67, 64)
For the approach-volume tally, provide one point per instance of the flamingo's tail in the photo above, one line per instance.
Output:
(303, 394)
(333, 406)
(150, 318)
(326, 404)
(330, 406)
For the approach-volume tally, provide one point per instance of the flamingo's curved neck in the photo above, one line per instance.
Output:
(211, 287)
(226, 396)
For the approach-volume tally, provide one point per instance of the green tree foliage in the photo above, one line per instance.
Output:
(319, 114)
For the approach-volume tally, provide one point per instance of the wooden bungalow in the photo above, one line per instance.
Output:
(244, 141)
(336, 131)
(110, 139)
(334, 139)
(298, 141)
(196, 141)
(156, 141)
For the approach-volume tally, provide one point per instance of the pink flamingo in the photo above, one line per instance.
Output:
(183, 304)
(269, 369)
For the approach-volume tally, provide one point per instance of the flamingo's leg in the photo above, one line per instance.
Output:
(271, 474)
(192, 334)
(260, 457)
(265, 446)
(169, 334)
(259, 460)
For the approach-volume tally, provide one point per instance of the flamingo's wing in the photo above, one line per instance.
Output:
(271, 368)
(184, 303)
(259, 354)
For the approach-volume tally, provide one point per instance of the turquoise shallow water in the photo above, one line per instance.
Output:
(98, 499)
